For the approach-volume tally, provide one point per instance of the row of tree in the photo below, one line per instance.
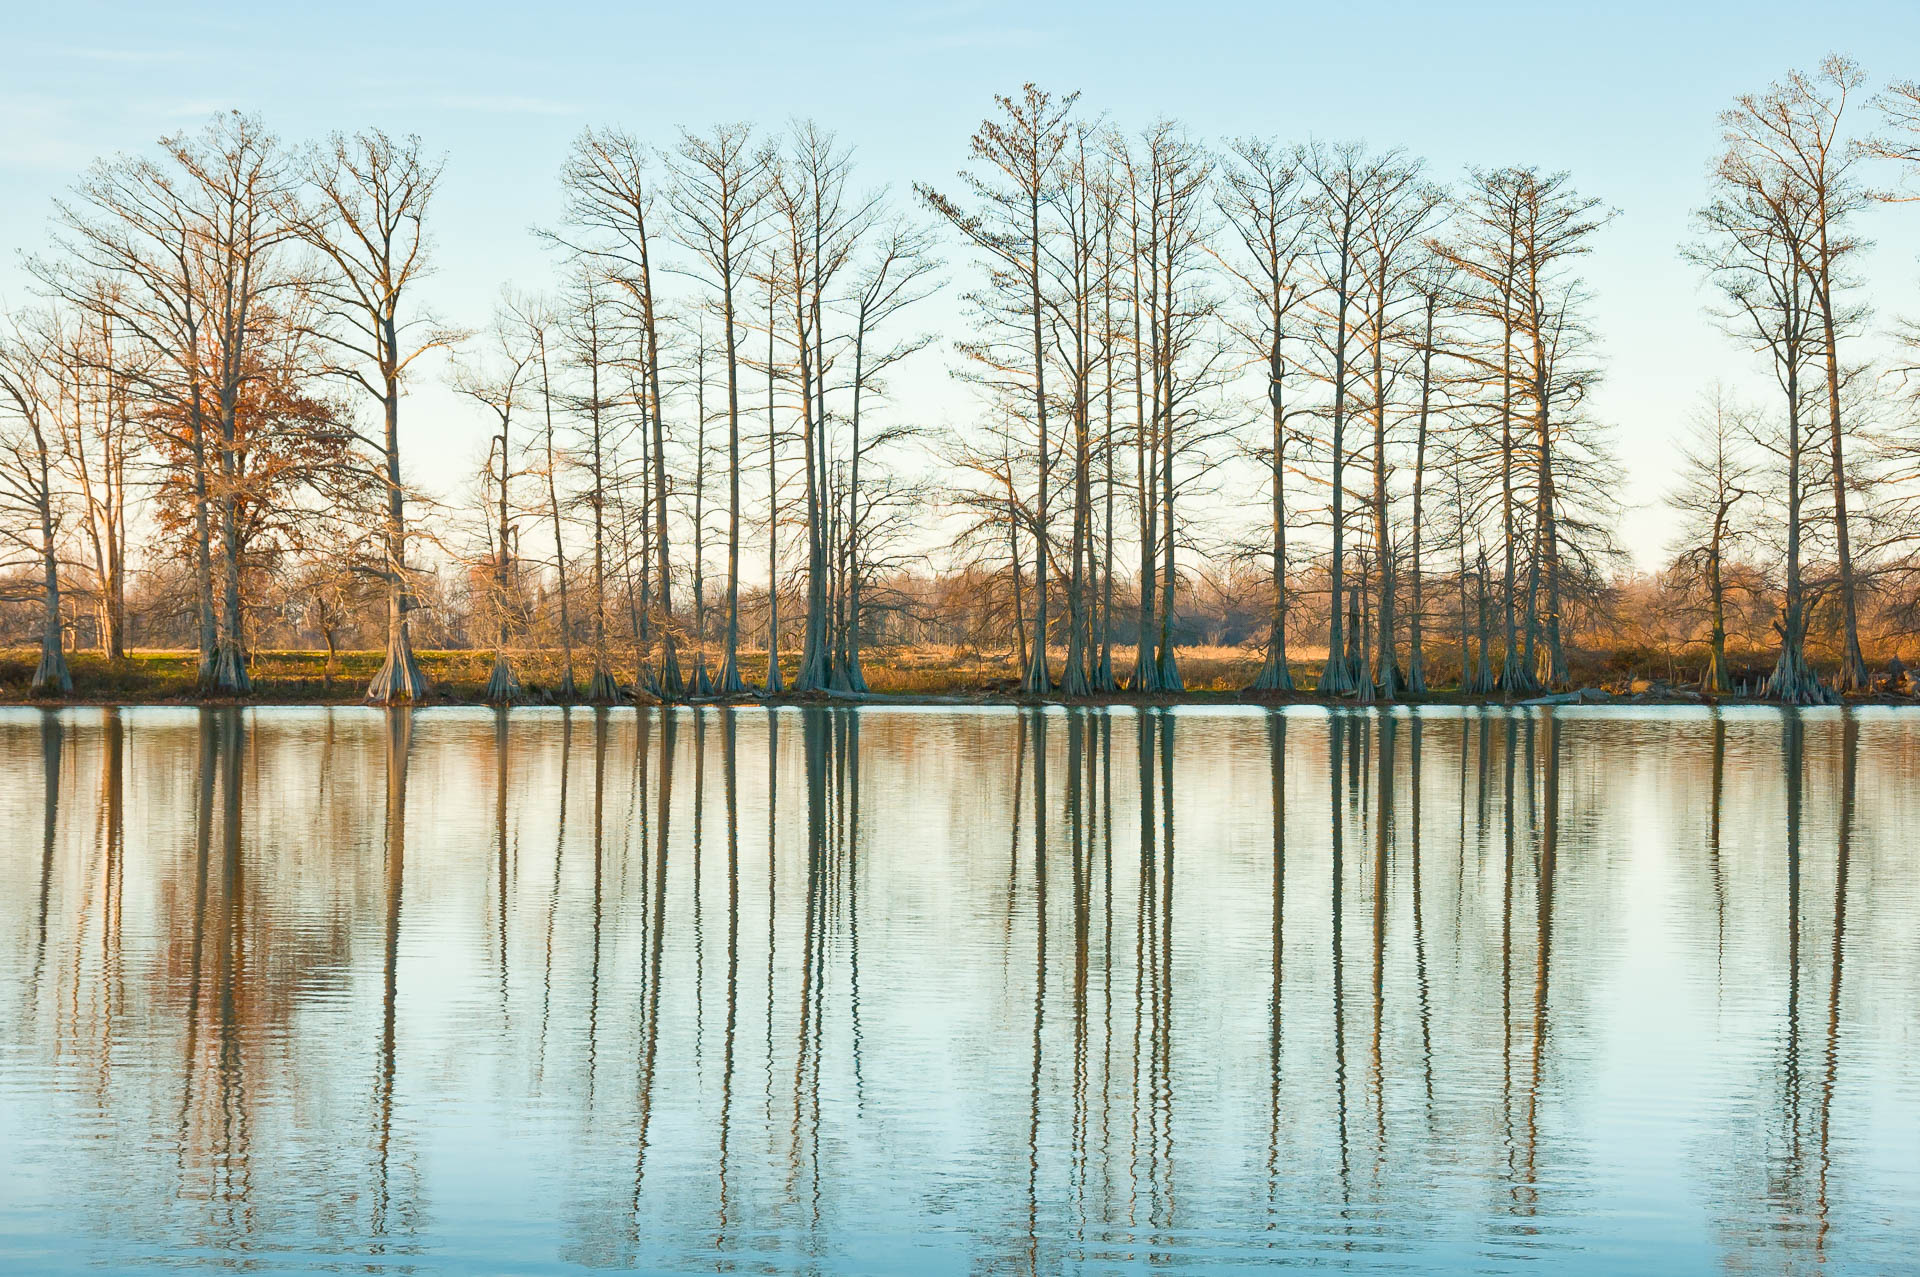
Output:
(200, 304)
(1184, 362)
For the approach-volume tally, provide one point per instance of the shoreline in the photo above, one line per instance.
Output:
(915, 677)
(1588, 698)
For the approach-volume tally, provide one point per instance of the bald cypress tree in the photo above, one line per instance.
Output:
(1746, 249)
(1789, 143)
(1015, 157)
(1261, 195)
(365, 217)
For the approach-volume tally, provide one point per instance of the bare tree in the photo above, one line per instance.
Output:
(775, 684)
(1747, 250)
(1559, 374)
(1344, 179)
(179, 256)
(1398, 214)
(819, 228)
(500, 386)
(364, 216)
(1788, 143)
(101, 444)
(30, 402)
(610, 221)
(1262, 197)
(242, 179)
(897, 274)
(1183, 350)
(1716, 476)
(1080, 208)
(1016, 158)
(719, 201)
(1431, 283)
(535, 318)
(598, 346)
(1899, 107)
(1482, 246)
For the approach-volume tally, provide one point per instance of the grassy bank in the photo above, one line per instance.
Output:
(1212, 674)
(308, 678)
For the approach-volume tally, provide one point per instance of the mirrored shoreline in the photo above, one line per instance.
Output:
(872, 989)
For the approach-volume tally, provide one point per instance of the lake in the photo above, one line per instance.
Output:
(960, 991)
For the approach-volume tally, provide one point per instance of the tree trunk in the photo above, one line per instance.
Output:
(775, 685)
(1515, 678)
(1416, 603)
(1169, 669)
(1483, 680)
(1387, 661)
(1013, 558)
(601, 688)
(702, 683)
(1073, 677)
(230, 658)
(1274, 674)
(1853, 666)
(202, 546)
(1038, 678)
(813, 674)
(1103, 679)
(729, 683)
(1713, 680)
(668, 684)
(1338, 677)
(855, 678)
(1146, 673)
(399, 680)
(1465, 682)
(51, 677)
(566, 689)
(1552, 669)
(1793, 680)
(502, 687)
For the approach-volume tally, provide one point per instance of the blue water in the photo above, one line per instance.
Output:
(890, 990)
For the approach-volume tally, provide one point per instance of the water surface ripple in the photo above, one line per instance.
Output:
(955, 991)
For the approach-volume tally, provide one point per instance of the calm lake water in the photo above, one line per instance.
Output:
(890, 990)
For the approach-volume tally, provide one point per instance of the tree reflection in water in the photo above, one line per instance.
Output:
(485, 990)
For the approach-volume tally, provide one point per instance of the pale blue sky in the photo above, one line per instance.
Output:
(1623, 95)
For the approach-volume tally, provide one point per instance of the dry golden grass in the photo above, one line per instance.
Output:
(304, 677)
(457, 676)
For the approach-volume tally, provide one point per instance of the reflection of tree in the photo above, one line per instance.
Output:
(1076, 1091)
(1716, 803)
(1507, 823)
(1336, 844)
(1382, 883)
(1040, 820)
(500, 768)
(553, 892)
(653, 888)
(111, 821)
(1843, 848)
(804, 1131)
(1277, 770)
(1418, 873)
(386, 1220)
(1543, 944)
(730, 779)
(50, 733)
(215, 1122)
